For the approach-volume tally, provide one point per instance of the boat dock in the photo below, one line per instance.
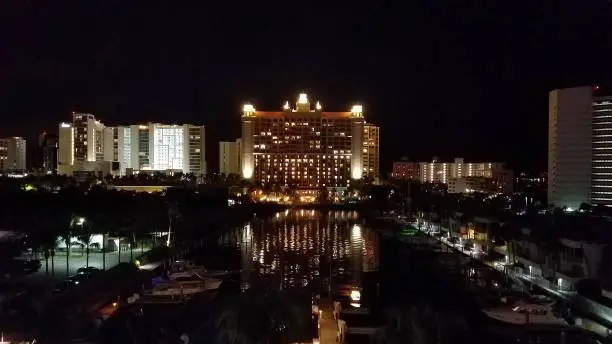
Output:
(328, 326)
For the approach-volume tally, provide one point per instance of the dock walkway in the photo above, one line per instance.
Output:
(328, 325)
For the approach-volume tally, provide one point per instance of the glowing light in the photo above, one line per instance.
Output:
(248, 108)
(143, 127)
(247, 172)
(357, 109)
(65, 125)
(303, 98)
(318, 106)
(286, 106)
(356, 233)
(355, 295)
(356, 173)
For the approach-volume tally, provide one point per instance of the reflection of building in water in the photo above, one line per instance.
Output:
(357, 249)
(245, 245)
(299, 248)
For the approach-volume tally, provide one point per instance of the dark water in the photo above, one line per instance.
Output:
(305, 249)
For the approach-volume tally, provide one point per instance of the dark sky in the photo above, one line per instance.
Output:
(444, 78)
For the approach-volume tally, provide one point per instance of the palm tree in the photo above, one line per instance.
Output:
(173, 214)
(48, 241)
(99, 223)
(132, 242)
(67, 238)
(103, 248)
(119, 248)
(52, 254)
(42, 238)
(84, 237)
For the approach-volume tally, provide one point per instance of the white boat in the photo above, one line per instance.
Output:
(199, 273)
(185, 269)
(526, 312)
(185, 275)
(186, 288)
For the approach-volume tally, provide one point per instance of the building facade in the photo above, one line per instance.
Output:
(371, 144)
(304, 147)
(460, 176)
(486, 185)
(66, 149)
(579, 148)
(230, 157)
(48, 149)
(13, 154)
(132, 148)
(570, 147)
(406, 170)
(601, 183)
(442, 172)
(88, 137)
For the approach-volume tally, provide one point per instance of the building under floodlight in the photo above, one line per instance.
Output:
(304, 146)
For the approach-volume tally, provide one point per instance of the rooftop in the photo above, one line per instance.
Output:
(302, 106)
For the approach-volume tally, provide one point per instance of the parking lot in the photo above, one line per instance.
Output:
(58, 272)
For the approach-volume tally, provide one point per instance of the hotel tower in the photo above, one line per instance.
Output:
(303, 146)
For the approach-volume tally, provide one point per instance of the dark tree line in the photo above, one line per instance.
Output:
(45, 214)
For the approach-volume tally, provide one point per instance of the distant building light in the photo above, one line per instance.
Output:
(303, 98)
(65, 125)
(248, 108)
(357, 109)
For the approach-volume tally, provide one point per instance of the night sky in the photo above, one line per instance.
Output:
(444, 78)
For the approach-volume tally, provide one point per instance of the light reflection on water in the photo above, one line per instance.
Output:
(301, 248)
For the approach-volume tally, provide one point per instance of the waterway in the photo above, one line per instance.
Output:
(305, 249)
(315, 251)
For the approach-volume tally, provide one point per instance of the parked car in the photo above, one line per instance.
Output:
(71, 282)
(88, 270)
(31, 265)
(78, 278)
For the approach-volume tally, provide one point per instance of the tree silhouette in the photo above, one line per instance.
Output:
(259, 315)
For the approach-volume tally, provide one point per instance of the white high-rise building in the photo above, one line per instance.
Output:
(65, 154)
(141, 147)
(571, 147)
(230, 157)
(443, 172)
(13, 154)
(601, 183)
(81, 145)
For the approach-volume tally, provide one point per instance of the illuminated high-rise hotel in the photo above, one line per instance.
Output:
(371, 144)
(304, 147)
